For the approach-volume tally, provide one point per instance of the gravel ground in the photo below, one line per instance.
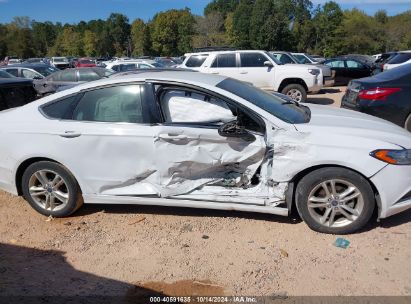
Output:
(129, 250)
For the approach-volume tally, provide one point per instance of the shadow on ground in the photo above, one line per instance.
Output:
(320, 101)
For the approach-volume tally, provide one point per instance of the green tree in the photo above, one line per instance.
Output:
(44, 36)
(223, 7)
(118, 30)
(241, 24)
(89, 43)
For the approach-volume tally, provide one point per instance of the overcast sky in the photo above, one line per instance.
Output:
(76, 10)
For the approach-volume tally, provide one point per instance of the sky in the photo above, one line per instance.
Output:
(73, 11)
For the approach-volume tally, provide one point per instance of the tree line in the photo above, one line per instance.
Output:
(291, 25)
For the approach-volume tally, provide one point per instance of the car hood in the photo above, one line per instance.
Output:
(332, 121)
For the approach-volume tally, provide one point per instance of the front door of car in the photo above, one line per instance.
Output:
(253, 70)
(356, 69)
(193, 149)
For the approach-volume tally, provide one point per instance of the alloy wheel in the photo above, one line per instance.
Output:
(295, 95)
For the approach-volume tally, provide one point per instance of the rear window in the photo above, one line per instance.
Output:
(396, 73)
(400, 58)
(196, 61)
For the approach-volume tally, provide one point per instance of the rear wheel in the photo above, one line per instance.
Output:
(335, 200)
(408, 123)
(296, 92)
(51, 189)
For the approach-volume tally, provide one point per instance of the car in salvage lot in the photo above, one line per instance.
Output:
(385, 95)
(188, 139)
(260, 68)
(15, 92)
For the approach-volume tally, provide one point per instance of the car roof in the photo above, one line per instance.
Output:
(223, 52)
(14, 80)
(25, 65)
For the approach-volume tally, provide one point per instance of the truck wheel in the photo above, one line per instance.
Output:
(296, 92)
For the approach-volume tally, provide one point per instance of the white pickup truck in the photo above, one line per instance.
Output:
(60, 62)
(259, 68)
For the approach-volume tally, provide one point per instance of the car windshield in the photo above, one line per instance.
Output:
(273, 58)
(400, 58)
(45, 71)
(395, 73)
(60, 59)
(285, 110)
(4, 74)
(104, 72)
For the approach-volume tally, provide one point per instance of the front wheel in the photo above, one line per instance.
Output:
(335, 200)
(51, 189)
(296, 92)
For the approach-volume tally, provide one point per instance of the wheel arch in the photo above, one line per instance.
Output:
(285, 82)
(24, 165)
(292, 184)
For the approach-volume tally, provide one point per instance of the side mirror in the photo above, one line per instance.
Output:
(232, 129)
(268, 64)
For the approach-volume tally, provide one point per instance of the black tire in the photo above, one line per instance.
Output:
(75, 199)
(298, 87)
(309, 183)
(407, 124)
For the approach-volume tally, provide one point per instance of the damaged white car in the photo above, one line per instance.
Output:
(189, 139)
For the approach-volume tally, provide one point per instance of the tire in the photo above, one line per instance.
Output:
(296, 92)
(316, 208)
(407, 124)
(49, 195)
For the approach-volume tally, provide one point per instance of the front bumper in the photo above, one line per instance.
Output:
(394, 188)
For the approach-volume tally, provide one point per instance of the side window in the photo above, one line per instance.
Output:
(127, 67)
(14, 72)
(113, 104)
(285, 59)
(88, 75)
(354, 64)
(29, 74)
(61, 109)
(179, 106)
(252, 60)
(196, 61)
(336, 64)
(68, 76)
(115, 68)
(144, 66)
(224, 61)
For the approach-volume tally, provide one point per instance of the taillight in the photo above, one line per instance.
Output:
(377, 93)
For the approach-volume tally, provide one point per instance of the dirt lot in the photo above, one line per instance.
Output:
(128, 250)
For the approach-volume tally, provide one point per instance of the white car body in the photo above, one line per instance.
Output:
(263, 77)
(130, 64)
(388, 65)
(60, 62)
(175, 165)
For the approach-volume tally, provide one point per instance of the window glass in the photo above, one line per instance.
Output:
(127, 67)
(4, 74)
(113, 104)
(88, 75)
(283, 58)
(336, 64)
(301, 58)
(144, 66)
(196, 61)
(115, 68)
(68, 75)
(354, 64)
(188, 107)
(400, 58)
(29, 74)
(224, 61)
(14, 72)
(249, 60)
(61, 109)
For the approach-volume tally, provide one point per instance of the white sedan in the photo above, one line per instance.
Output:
(188, 139)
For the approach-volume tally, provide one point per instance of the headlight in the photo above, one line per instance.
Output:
(314, 71)
(393, 157)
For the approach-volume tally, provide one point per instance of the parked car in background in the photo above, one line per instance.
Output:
(318, 58)
(204, 141)
(385, 95)
(13, 60)
(403, 57)
(382, 60)
(367, 59)
(304, 58)
(4, 74)
(15, 92)
(130, 65)
(35, 60)
(259, 68)
(69, 77)
(166, 61)
(85, 63)
(288, 58)
(348, 68)
(60, 62)
(30, 70)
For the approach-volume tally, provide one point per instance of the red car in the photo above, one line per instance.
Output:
(85, 63)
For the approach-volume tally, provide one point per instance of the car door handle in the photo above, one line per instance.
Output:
(172, 136)
(215, 73)
(70, 134)
(243, 72)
